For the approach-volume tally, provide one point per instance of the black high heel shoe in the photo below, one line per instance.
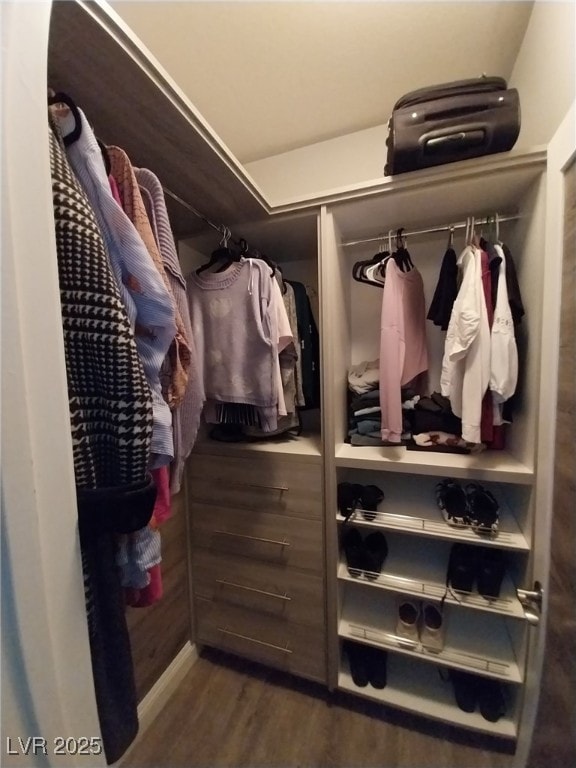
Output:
(355, 552)
(370, 498)
(462, 567)
(376, 551)
(491, 569)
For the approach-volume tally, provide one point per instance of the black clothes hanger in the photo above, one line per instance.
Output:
(255, 254)
(359, 274)
(63, 98)
(401, 256)
(224, 254)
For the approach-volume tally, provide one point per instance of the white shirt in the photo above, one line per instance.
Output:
(503, 350)
(466, 363)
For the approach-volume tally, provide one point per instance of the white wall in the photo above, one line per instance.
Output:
(544, 74)
(545, 71)
(49, 691)
(354, 158)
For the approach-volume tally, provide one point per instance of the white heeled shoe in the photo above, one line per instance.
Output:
(433, 627)
(408, 620)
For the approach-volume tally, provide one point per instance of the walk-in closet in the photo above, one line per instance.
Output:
(292, 628)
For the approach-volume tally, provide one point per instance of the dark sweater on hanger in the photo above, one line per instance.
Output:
(446, 291)
(309, 346)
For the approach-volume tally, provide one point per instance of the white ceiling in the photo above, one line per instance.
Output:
(274, 76)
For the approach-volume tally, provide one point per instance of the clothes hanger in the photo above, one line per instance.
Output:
(402, 257)
(450, 245)
(497, 225)
(359, 274)
(255, 254)
(365, 271)
(223, 254)
(63, 98)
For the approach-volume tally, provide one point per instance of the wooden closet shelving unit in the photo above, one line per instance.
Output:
(277, 501)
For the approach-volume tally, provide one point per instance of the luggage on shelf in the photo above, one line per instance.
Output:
(450, 122)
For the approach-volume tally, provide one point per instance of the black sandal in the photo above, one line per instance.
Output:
(483, 508)
(453, 503)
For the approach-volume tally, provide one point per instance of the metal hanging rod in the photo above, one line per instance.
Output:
(218, 227)
(430, 230)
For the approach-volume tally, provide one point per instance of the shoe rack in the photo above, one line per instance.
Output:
(483, 639)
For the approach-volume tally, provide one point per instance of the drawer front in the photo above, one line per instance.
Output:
(270, 538)
(273, 590)
(262, 483)
(292, 647)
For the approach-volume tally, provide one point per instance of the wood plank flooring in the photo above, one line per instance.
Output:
(230, 712)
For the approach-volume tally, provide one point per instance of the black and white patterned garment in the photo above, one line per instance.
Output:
(111, 424)
(110, 401)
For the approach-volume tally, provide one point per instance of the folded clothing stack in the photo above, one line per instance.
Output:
(434, 426)
(365, 418)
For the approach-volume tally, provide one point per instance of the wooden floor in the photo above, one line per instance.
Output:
(229, 712)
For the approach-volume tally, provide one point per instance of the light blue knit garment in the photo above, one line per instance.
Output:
(149, 305)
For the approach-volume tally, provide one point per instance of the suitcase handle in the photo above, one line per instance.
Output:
(447, 142)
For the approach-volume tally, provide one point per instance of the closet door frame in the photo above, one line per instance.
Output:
(560, 153)
(48, 688)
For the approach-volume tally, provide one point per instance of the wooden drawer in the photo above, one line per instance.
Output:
(287, 541)
(274, 590)
(262, 483)
(295, 648)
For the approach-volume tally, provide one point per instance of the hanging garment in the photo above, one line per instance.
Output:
(403, 351)
(487, 416)
(513, 287)
(445, 292)
(176, 366)
(111, 424)
(285, 367)
(309, 351)
(235, 331)
(186, 416)
(147, 301)
(466, 362)
(503, 350)
(291, 361)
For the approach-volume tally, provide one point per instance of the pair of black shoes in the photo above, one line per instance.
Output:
(364, 556)
(483, 566)
(352, 496)
(367, 664)
(472, 692)
(470, 507)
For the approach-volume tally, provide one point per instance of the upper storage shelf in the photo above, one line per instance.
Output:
(131, 101)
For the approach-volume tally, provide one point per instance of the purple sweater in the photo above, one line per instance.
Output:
(236, 336)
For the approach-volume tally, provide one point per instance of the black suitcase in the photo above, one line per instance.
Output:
(450, 122)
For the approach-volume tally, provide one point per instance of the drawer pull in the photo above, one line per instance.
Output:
(253, 640)
(253, 538)
(252, 589)
(280, 488)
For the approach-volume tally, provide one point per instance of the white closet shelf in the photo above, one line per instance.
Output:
(474, 642)
(418, 688)
(410, 507)
(427, 580)
(306, 447)
(496, 466)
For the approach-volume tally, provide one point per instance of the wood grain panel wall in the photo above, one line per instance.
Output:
(554, 736)
(159, 632)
